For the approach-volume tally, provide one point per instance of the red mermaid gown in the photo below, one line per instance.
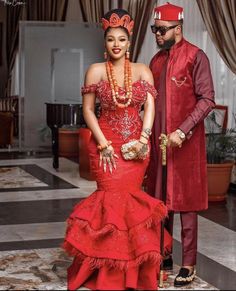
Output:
(114, 234)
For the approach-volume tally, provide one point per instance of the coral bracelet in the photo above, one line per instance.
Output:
(102, 147)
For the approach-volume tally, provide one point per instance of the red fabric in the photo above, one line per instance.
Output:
(169, 12)
(204, 91)
(84, 165)
(114, 234)
(186, 166)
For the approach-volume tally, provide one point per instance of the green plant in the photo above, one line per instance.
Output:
(220, 143)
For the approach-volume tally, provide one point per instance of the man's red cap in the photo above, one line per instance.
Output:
(169, 12)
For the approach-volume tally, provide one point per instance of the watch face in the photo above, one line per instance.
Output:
(181, 134)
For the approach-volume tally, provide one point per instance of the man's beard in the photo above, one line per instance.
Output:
(167, 44)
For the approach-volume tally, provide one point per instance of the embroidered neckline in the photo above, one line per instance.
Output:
(120, 87)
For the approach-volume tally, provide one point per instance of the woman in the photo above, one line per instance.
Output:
(114, 233)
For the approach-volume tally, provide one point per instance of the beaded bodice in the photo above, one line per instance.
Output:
(123, 121)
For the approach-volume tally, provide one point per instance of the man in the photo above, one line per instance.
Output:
(185, 97)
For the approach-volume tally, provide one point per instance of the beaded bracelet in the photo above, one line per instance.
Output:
(147, 131)
(102, 147)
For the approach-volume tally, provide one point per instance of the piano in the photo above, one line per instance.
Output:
(58, 115)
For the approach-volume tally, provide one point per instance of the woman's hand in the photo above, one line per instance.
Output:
(141, 149)
(107, 157)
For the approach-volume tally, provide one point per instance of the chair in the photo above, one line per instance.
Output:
(11, 104)
(6, 128)
(84, 163)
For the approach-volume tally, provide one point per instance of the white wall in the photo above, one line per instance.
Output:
(54, 57)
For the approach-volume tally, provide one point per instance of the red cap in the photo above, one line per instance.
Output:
(169, 12)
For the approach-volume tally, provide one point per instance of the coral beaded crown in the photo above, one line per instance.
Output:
(116, 21)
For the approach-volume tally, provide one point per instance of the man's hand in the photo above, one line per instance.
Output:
(174, 140)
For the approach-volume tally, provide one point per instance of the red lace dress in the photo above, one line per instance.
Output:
(114, 234)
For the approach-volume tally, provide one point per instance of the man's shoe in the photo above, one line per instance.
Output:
(168, 264)
(184, 277)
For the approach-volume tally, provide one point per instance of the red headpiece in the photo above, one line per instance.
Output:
(116, 21)
(169, 12)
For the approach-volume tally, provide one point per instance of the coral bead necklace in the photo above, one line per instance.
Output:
(114, 86)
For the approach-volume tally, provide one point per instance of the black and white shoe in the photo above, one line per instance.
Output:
(184, 277)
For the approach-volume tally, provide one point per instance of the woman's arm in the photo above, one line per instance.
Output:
(141, 147)
(149, 107)
(93, 76)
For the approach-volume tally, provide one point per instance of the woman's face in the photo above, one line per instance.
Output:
(116, 43)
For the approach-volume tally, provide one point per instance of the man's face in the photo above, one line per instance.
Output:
(165, 37)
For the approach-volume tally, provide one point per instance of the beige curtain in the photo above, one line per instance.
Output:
(140, 10)
(93, 10)
(42, 10)
(219, 17)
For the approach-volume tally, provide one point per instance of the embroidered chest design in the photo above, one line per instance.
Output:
(123, 121)
(126, 123)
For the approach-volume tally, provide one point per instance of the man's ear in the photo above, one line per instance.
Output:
(178, 29)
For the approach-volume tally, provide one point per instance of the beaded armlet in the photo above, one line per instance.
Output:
(150, 89)
(89, 89)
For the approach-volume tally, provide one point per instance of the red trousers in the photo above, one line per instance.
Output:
(188, 235)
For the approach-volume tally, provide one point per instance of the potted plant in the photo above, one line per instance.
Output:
(221, 155)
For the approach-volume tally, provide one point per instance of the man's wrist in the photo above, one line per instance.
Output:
(181, 134)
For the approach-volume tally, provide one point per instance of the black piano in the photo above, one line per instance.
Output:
(59, 115)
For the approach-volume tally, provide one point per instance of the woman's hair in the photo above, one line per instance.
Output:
(120, 13)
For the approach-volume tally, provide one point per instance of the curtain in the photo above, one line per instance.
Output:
(47, 10)
(93, 10)
(219, 17)
(141, 11)
(14, 14)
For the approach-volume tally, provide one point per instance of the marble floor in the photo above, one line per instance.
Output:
(35, 201)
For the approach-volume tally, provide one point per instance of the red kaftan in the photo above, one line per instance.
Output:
(114, 234)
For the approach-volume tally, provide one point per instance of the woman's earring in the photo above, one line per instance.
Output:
(105, 55)
(127, 54)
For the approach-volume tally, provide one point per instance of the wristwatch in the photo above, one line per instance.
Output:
(180, 133)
